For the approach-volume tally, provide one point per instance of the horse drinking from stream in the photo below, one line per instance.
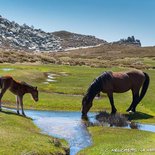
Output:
(117, 82)
(17, 88)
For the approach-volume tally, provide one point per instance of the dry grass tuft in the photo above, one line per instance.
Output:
(112, 120)
(108, 55)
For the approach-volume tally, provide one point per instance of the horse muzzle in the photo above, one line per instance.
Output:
(36, 99)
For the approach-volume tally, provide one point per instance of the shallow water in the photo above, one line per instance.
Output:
(69, 126)
(50, 78)
(146, 127)
(7, 69)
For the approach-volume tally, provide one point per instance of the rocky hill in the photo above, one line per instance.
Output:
(13, 35)
(24, 37)
(71, 40)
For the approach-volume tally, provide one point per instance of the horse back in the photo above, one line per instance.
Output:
(120, 82)
(137, 78)
(124, 81)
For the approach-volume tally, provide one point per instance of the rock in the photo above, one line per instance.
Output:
(129, 41)
(13, 35)
(24, 37)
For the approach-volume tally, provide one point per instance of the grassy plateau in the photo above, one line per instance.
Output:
(62, 79)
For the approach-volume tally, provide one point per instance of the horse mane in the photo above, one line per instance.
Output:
(8, 76)
(97, 84)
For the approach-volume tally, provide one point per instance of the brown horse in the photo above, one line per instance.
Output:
(113, 82)
(17, 88)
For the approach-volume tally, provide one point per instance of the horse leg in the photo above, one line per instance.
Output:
(1, 95)
(17, 102)
(21, 104)
(134, 102)
(113, 109)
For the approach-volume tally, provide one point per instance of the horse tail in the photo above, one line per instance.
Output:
(145, 86)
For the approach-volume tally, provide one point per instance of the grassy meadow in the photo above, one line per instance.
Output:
(71, 83)
(111, 141)
(62, 79)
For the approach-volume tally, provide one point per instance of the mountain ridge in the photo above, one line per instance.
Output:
(27, 38)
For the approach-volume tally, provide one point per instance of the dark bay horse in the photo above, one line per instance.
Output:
(117, 82)
(17, 88)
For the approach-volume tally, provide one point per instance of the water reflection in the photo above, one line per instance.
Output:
(119, 120)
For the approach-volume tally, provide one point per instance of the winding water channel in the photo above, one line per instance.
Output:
(69, 126)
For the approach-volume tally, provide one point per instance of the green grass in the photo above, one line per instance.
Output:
(17, 132)
(18, 135)
(67, 92)
(111, 141)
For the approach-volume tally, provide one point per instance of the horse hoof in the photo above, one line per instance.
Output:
(84, 117)
(24, 114)
(128, 110)
(113, 113)
(131, 112)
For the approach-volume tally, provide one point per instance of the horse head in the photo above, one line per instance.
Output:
(34, 93)
(86, 105)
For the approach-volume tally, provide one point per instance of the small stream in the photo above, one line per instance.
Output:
(70, 126)
(66, 125)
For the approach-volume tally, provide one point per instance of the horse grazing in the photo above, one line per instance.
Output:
(117, 82)
(17, 88)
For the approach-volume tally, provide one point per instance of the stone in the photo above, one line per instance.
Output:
(28, 38)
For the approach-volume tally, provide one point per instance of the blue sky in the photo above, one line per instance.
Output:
(107, 19)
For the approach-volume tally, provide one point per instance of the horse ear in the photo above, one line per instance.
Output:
(36, 88)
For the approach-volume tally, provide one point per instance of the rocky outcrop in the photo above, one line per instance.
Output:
(129, 41)
(13, 35)
(24, 37)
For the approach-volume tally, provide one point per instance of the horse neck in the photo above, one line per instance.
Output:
(91, 96)
(93, 91)
(26, 87)
(28, 90)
